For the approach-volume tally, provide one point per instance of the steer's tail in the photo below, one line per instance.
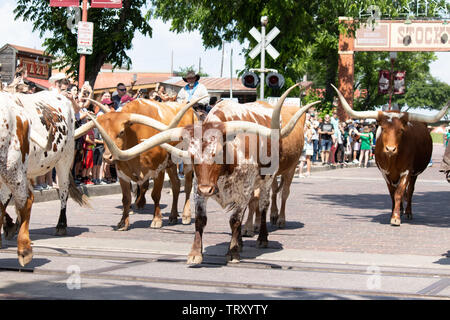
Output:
(79, 197)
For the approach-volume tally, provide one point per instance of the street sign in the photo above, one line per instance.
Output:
(64, 3)
(112, 4)
(268, 47)
(85, 37)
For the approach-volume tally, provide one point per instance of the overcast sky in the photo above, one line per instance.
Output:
(154, 54)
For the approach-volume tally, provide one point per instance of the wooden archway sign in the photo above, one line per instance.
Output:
(387, 35)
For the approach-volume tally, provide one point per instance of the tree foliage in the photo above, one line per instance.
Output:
(114, 30)
(309, 36)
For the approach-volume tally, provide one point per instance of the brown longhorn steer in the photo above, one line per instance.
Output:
(403, 150)
(128, 128)
(231, 160)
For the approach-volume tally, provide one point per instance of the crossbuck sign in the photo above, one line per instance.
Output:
(263, 46)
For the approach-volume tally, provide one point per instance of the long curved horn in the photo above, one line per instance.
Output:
(155, 124)
(101, 105)
(182, 154)
(428, 119)
(147, 121)
(352, 113)
(175, 121)
(234, 127)
(124, 155)
(81, 131)
(291, 124)
(275, 123)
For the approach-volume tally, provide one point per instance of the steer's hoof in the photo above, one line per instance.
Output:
(61, 231)
(186, 220)
(273, 219)
(262, 243)
(25, 257)
(123, 226)
(194, 259)
(156, 224)
(248, 232)
(233, 257)
(281, 223)
(395, 221)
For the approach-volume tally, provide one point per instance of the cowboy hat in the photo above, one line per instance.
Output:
(191, 74)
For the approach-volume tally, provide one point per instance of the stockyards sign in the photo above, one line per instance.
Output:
(399, 36)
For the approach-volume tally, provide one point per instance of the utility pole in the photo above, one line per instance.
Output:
(84, 18)
(223, 55)
(231, 74)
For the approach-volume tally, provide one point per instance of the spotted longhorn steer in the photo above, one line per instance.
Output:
(128, 128)
(290, 151)
(228, 164)
(403, 151)
(50, 119)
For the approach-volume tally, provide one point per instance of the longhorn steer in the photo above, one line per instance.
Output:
(49, 117)
(290, 151)
(402, 151)
(128, 128)
(228, 170)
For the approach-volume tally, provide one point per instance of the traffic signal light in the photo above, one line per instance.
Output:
(275, 80)
(250, 79)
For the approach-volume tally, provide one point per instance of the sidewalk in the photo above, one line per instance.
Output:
(108, 189)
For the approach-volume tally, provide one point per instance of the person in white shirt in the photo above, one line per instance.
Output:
(193, 89)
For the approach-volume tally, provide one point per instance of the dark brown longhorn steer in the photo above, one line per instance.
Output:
(227, 165)
(136, 122)
(402, 151)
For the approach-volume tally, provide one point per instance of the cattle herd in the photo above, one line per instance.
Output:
(234, 156)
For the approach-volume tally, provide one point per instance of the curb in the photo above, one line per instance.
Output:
(109, 189)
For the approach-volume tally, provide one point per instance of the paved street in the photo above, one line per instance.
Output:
(337, 244)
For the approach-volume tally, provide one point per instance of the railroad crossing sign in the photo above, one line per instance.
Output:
(263, 46)
(269, 48)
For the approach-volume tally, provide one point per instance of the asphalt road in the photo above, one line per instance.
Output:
(337, 244)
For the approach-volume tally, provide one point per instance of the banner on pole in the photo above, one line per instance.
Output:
(64, 3)
(85, 37)
(111, 4)
(383, 81)
(399, 82)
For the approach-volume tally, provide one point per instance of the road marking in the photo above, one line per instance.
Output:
(436, 287)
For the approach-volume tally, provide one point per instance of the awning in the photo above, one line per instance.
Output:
(40, 83)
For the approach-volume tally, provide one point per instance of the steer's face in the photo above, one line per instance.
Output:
(391, 130)
(206, 146)
(115, 125)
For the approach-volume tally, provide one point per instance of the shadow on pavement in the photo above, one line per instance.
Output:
(427, 207)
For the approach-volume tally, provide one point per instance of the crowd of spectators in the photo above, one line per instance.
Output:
(89, 166)
(331, 142)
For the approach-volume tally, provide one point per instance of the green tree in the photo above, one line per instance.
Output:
(184, 70)
(310, 30)
(368, 65)
(429, 93)
(114, 30)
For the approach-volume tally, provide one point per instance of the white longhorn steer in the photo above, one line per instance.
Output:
(37, 134)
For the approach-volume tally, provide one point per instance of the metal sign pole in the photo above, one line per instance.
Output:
(263, 55)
